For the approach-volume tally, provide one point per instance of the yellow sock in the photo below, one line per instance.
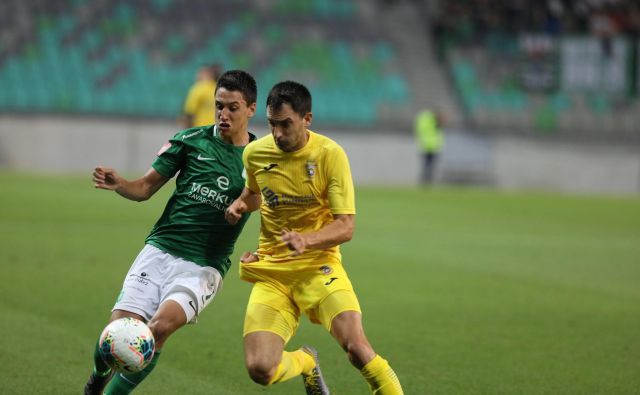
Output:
(381, 378)
(292, 365)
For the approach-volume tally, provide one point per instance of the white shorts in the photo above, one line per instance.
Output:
(157, 276)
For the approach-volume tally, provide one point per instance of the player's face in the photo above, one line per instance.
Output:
(288, 128)
(232, 112)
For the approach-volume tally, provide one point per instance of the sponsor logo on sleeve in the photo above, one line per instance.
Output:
(192, 134)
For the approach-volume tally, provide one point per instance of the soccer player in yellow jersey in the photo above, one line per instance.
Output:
(199, 105)
(302, 183)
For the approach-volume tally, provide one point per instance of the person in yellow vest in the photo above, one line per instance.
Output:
(199, 105)
(428, 128)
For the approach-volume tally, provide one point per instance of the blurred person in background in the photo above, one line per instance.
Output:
(186, 255)
(302, 184)
(430, 136)
(604, 27)
(198, 106)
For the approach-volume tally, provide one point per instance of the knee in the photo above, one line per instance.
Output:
(359, 352)
(161, 330)
(261, 373)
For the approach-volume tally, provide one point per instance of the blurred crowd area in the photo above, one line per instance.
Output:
(139, 57)
(468, 21)
(549, 66)
(555, 66)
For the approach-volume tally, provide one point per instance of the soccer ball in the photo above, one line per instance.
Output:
(127, 345)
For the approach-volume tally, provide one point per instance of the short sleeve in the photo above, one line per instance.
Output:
(170, 158)
(340, 184)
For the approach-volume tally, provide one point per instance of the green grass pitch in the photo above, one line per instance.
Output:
(464, 291)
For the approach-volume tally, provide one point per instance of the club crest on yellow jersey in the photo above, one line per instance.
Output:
(326, 269)
(311, 167)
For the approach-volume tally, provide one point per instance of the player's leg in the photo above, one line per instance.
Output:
(270, 321)
(188, 289)
(267, 363)
(169, 318)
(336, 307)
(346, 328)
(102, 373)
(138, 299)
(262, 355)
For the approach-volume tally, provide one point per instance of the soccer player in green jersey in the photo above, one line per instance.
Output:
(186, 255)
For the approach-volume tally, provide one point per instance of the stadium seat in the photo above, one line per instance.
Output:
(127, 58)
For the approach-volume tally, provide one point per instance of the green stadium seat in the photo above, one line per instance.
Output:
(382, 52)
(160, 5)
(174, 44)
(99, 66)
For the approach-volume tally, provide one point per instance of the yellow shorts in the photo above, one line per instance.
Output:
(275, 305)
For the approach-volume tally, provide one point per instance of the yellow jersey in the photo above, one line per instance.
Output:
(300, 191)
(200, 103)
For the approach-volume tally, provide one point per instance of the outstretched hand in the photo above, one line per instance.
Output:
(294, 241)
(106, 178)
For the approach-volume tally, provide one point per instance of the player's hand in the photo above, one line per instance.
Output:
(106, 178)
(234, 212)
(294, 241)
(249, 257)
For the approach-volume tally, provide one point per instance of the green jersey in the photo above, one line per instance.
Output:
(211, 176)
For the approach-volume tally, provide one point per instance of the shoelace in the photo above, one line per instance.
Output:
(311, 383)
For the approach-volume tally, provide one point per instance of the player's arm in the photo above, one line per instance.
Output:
(337, 232)
(247, 202)
(139, 190)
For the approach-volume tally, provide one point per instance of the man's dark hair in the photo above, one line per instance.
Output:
(292, 93)
(241, 81)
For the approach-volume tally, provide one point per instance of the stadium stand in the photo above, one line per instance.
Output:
(557, 67)
(104, 57)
